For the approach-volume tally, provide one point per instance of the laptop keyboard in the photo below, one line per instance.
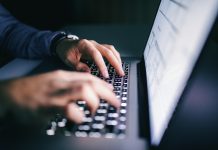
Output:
(108, 121)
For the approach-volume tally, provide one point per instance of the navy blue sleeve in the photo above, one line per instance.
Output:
(21, 40)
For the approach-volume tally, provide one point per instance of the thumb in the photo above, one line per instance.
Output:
(82, 67)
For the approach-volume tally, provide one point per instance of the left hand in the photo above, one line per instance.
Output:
(71, 53)
(57, 89)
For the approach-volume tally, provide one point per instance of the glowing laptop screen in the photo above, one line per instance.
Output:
(179, 32)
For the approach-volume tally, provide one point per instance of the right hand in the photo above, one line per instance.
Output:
(71, 54)
(61, 89)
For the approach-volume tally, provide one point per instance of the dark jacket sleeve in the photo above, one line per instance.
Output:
(21, 40)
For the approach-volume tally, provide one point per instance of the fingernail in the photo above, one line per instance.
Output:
(118, 104)
(122, 72)
(105, 74)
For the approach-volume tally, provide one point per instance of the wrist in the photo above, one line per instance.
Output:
(61, 39)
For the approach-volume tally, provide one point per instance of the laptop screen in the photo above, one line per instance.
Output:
(179, 32)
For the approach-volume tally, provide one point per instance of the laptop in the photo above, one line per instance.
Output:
(150, 91)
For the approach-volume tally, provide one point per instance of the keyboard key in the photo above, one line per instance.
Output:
(94, 134)
(117, 80)
(124, 85)
(51, 128)
(84, 127)
(122, 119)
(111, 71)
(99, 118)
(117, 84)
(123, 111)
(111, 122)
(122, 127)
(117, 77)
(124, 98)
(123, 104)
(124, 95)
(124, 90)
(113, 115)
(95, 73)
(81, 134)
(117, 88)
(97, 126)
(87, 120)
(62, 122)
(87, 112)
(101, 111)
(112, 109)
(103, 105)
(117, 93)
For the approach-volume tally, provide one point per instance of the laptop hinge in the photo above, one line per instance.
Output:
(144, 126)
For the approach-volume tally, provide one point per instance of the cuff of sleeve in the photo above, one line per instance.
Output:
(55, 40)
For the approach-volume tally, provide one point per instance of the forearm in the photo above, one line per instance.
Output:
(26, 42)
(21, 40)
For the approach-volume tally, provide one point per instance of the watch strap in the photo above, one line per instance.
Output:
(58, 38)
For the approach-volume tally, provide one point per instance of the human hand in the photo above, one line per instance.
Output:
(60, 89)
(71, 53)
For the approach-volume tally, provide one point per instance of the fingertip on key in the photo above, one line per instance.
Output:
(105, 74)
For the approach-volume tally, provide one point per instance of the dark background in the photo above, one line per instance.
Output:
(54, 14)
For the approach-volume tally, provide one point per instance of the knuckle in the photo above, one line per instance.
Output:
(92, 41)
(108, 52)
(95, 52)
(83, 41)
(118, 53)
(111, 46)
(58, 72)
(87, 75)
(84, 88)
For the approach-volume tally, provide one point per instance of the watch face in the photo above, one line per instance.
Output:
(74, 37)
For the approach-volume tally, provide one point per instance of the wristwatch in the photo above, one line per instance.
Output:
(60, 37)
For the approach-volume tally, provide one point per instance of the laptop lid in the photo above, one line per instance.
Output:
(179, 32)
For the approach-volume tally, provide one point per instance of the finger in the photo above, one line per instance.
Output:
(98, 59)
(74, 113)
(114, 51)
(82, 67)
(63, 100)
(69, 92)
(58, 84)
(88, 94)
(111, 58)
(80, 91)
(64, 76)
(101, 82)
(106, 94)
